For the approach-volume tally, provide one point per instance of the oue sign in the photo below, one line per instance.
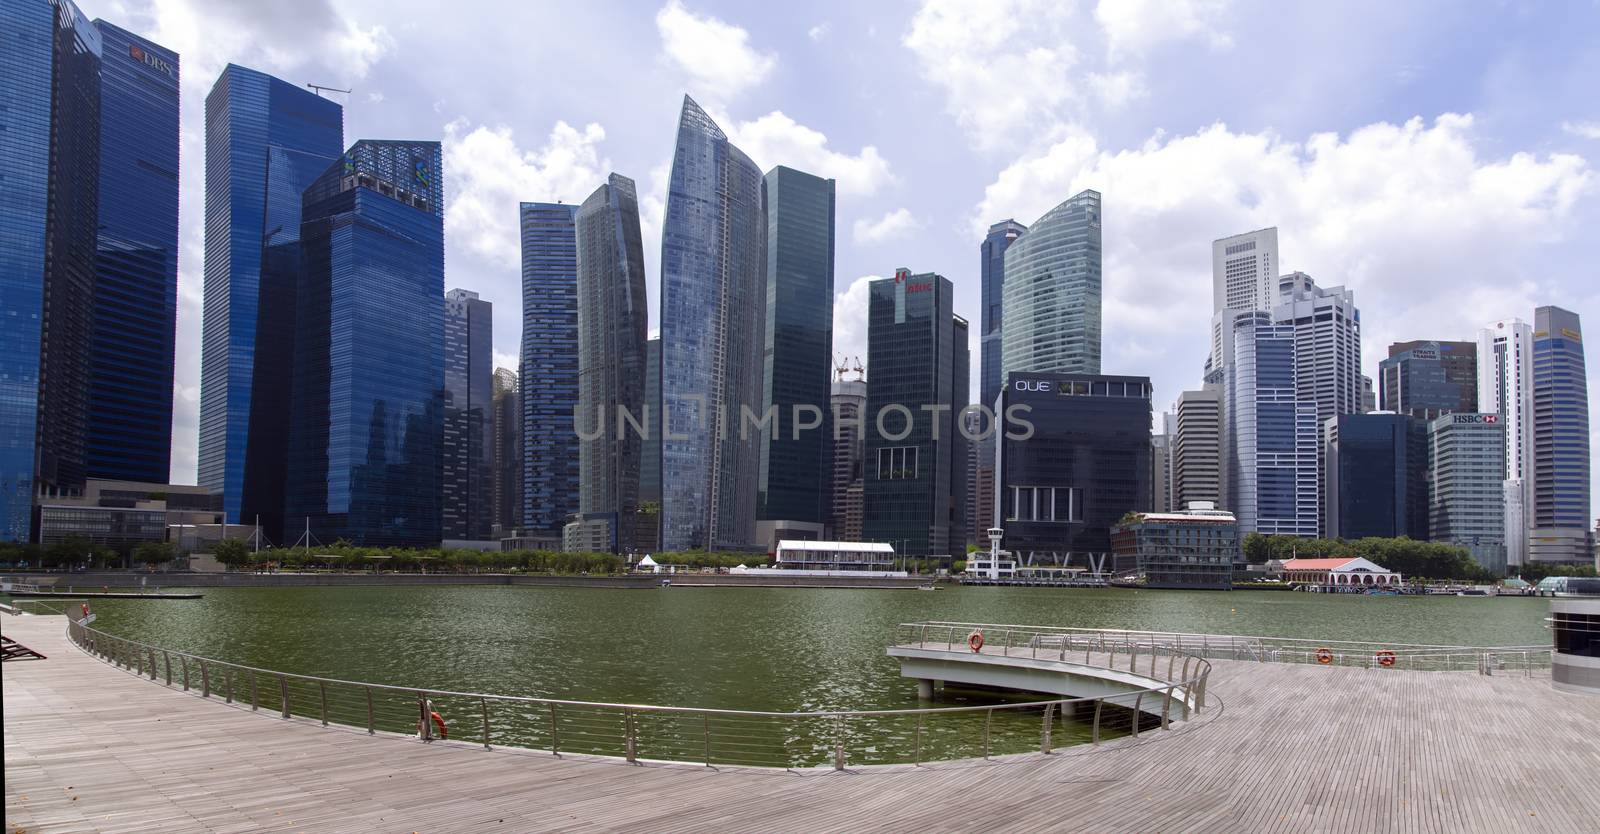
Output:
(1041, 385)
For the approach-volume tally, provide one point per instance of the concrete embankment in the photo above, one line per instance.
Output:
(126, 579)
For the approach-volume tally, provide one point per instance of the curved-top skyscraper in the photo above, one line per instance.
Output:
(1051, 297)
(713, 297)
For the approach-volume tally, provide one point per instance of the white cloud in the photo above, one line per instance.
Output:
(506, 360)
(891, 226)
(1116, 89)
(850, 320)
(819, 31)
(1133, 27)
(1587, 130)
(776, 139)
(375, 97)
(487, 174)
(716, 55)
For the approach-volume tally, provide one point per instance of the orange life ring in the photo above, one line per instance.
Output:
(1324, 656)
(975, 641)
(438, 723)
(85, 607)
(1385, 658)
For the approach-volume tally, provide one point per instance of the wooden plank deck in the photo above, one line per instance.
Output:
(89, 747)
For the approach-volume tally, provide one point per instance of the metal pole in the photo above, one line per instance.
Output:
(555, 740)
(283, 691)
(628, 737)
(184, 659)
(227, 674)
(253, 703)
(322, 689)
(916, 742)
(705, 735)
(1095, 738)
(371, 728)
(988, 720)
(205, 680)
(484, 702)
(1166, 708)
(838, 743)
(1049, 720)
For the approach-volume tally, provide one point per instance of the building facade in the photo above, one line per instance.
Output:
(1193, 548)
(1428, 378)
(505, 451)
(1467, 471)
(848, 404)
(1244, 273)
(1327, 328)
(650, 466)
(1197, 446)
(1271, 433)
(1051, 296)
(1377, 476)
(466, 488)
(713, 294)
(366, 420)
(914, 483)
(1161, 469)
(1505, 387)
(992, 274)
(548, 378)
(1560, 519)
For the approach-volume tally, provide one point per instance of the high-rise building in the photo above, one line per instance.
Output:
(1052, 292)
(980, 476)
(1377, 476)
(612, 330)
(1560, 519)
(848, 405)
(793, 480)
(1369, 397)
(266, 141)
(467, 480)
(548, 378)
(1244, 278)
(1467, 473)
(713, 296)
(505, 452)
(366, 419)
(1505, 387)
(650, 465)
(1427, 378)
(1161, 467)
(1082, 467)
(916, 457)
(1271, 432)
(1197, 448)
(1327, 328)
(992, 269)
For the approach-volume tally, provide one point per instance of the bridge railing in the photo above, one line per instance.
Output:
(1488, 660)
(642, 732)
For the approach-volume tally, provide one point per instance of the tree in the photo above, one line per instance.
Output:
(233, 553)
(69, 551)
(154, 553)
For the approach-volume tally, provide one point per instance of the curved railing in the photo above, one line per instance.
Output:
(640, 732)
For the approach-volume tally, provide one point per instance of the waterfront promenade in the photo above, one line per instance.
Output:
(89, 747)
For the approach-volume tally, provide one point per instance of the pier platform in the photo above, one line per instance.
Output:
(1285, 747)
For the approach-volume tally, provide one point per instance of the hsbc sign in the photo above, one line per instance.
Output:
(1460, 419)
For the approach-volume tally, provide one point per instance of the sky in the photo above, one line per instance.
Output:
(1437, 159)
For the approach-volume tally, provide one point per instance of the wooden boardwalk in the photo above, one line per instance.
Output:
(89, 747)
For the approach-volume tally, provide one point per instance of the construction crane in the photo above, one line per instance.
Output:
(320, 89)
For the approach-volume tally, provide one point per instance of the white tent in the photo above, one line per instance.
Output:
(646, 562)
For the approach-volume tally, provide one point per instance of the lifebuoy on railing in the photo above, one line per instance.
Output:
(1385, 658)
(430, 714)
(1324, 656)
(975, 641)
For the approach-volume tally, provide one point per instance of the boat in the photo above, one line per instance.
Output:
(1382, 592)
(1473, 592)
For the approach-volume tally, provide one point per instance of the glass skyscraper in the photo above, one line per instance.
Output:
(266, 141)
(612, 329)
(1467, 466)
(795, 471)
(713, 292)
(1427, 378)
(368, 377)
(1052, 292)
(1271, 433)
(1377, 476)
(1559, 520)
(506, 451)
(465, 489)
(549, 373)
(992, 269)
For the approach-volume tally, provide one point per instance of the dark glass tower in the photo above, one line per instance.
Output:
(1426, 379)
(468, 367)
(650, 466)
(992, 266)
(366, 415)
(795, 466)
(136, 264)
(1377, 476)
(549, 373)
(266, 141)
(612, 329)
(506, 449)
(1560, 519)
(1052, 292)
(713, 292)
(915, 475)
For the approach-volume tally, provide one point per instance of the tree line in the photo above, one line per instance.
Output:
(1411, 558)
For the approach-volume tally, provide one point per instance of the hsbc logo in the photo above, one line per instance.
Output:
(138, 53)
(1460, 419)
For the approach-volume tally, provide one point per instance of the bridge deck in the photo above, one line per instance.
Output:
(1289, 747)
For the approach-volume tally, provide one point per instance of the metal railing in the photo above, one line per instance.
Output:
(1366, 654)
(47, 606)
(641, 732)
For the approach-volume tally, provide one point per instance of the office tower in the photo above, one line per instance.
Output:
(1052, 292)
(266, 141)
(612, 329)
(1466, 474)
(1369, 397)
(1377, 476)
(1197, 448)
(914, 489)
(992, 268)
(1560, 519)
(505, 450)
(848, 404)
(1161, 468)
(980, 476)
(1085, 465)
(1327, 328)
(1505, 387)
(650, 464)
(466, 487)
(548, 378)
(366, 416)
(1428, 378)
(1271, 432)
(1244, 276)
(136, 261)
(796, 446)
(713, 294)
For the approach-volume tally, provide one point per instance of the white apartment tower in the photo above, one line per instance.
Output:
(1505, 387)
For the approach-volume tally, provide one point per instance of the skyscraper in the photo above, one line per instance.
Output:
(1244, 277)
(992, 268)
(1377, 473)
(266, 141)
(1467, 473)
(1271, 432)
(505, 450)
(1427, 378)
(848, 404)
(1560, 519)
(1052, 292)
(612, 355)
(1197, 448)
(713, 293)
(365, 417)
(915, 479)
(794, 476)
(1327, 328)
(1505, 387)
(549, 373)
(650, 465)
(466, 488)
(1161, 467)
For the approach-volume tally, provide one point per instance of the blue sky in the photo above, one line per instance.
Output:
(1438, 159)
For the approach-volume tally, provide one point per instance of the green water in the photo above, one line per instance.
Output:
(776, 649)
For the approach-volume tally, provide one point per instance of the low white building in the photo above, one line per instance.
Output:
(1340, 572)
(835, 556)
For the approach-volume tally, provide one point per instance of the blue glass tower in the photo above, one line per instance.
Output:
(1560, 519)
(1271, 432)
(549, 374)
(992, 266)
(136, 264)
(266, 141)
(366, 409)
(467, 486)
(713, 296)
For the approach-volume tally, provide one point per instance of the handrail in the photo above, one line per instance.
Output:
(630, 731)
(1310, 641)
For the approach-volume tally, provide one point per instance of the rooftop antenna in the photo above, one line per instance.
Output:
(861, 372)
(321, 89)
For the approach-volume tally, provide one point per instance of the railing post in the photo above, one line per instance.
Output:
(424, 725)
(484, 702)
(1166, 708)
(1133, 658)
(1049, 721)
(283, 692)
(1200, 700)
(628, 737)
(227, 676)
(988, 721)
(1186, 668)
(254, 704)
(1005, 643)
(322, 689)
(205, 680)
(1171, 660)
(184, 659)
(916, 742)
(372, 728)
(922, 639)
(555, 739)
(1095, 737)
(1138, 699)
(1153, 651)
(705, 735)
(838, 742)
